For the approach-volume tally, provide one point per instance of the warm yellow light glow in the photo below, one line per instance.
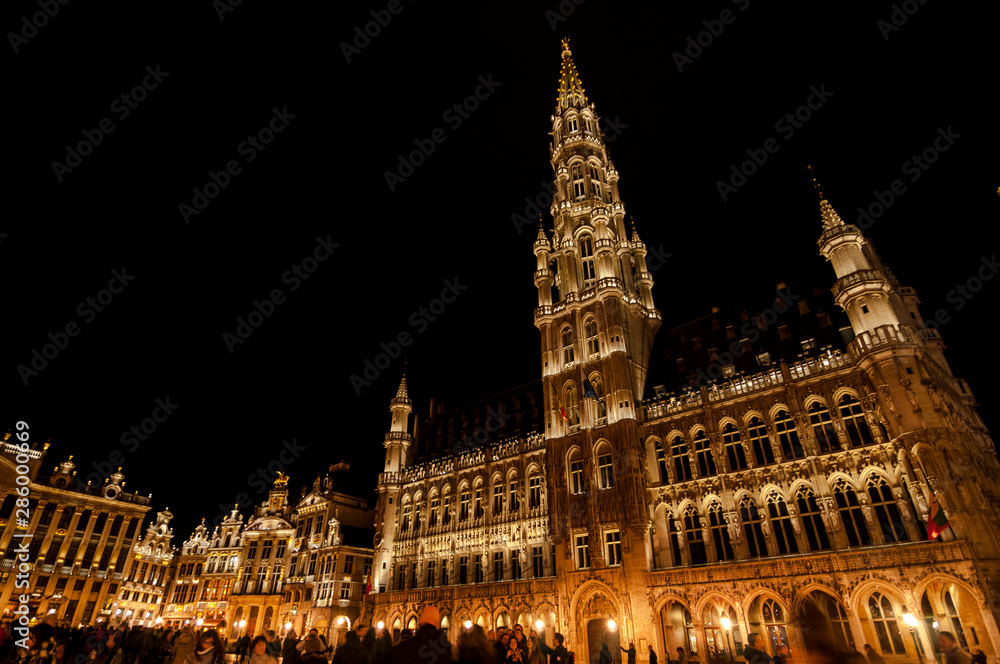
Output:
(340, 620)
(381, 625)
(612, 625)
(726, 623)
(468, 624)
(288, 626)
(910, 619)
(539, 625)
(199, 622)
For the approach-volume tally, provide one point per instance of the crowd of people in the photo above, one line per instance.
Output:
(52, 643)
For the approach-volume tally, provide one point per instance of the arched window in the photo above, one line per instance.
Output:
(661, 462)
(576, 485)
(605, 467)
(682, 463)
(595, 181)
(834, 612)
(788, 437)
(883, 617)
(435, 507)
(735, 453)
(597, 388)
(763, 454)
(404, 520)
(850, 514)
(886, 510)
(567, 345)
(752, 529)
(956, 622)
(720, 532)
(587, 260)
(590, 333)
(534, 490)
(822, 426)
(572, 126)
(572, 404)
(418, 507)
(855, 423)
(703, 451)
(693, 532)
(576, 174)
(784, 533)
(774, 622)
(812, 519)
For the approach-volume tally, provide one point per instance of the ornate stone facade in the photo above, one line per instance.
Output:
(784, 490)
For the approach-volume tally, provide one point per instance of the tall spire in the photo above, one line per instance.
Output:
(401, 393)
(828, 215)
(571, 92)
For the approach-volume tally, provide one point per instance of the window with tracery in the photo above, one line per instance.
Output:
(763, 454)
(733, 445)
(822, 426)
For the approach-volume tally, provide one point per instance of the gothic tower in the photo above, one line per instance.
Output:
(397, 445)
(597, 322)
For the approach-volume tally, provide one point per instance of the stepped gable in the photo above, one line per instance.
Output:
(514, 412)
(692, 354)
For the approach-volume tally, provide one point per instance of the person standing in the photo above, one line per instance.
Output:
(781, 655)
(258, 652)
(952, 653)
(605, 654)
(652, 655)
(289, 655)
(352, 652)
(474, 647)
(630, 652)
(209, 649)
(427, 646)
(184, 645)
(753, 653)
(557, 655)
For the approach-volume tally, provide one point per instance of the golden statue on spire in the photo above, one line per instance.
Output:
(281, 481)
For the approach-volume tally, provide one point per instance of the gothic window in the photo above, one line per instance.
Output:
(465, 504)
(576, 174)
(886, 510)
(404, 523)
(590, 332)
(587, 260)
(567, 345)
(572, 126)
(498, 498)
(661, 462)
(572, 405)
(498, 565)
(956, 622)
(479, 501)
(839, 623)
(850, 514)
(535, 492)
(693, 532)
(812, 519)
(854, 422)
(703, 451)
(763, 454)
(582, 551)
(576, 473)
(446, 512)
(682, 463)
(752, 529)
(613, 547)
(595, 181)
(418, 508)
(463, 570)
(435, 504)
(512, 503)
(431, 573)
(822, 426)
(735, 453)
(605, 468)
(720, 532)
(788, 437)
(784, 533)
(597, 385)
(537, 562)
(774, 623)
(589, 124)
(883, 617)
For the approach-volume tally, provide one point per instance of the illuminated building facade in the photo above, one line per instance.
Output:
(82, 538)
(762, 470)
(143, 586)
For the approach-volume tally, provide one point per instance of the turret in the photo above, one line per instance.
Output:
(397, 445)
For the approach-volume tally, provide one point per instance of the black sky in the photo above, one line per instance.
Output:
(323, 176)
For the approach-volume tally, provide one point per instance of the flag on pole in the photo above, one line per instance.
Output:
(368, 584)
(588, 389)
(937, 521)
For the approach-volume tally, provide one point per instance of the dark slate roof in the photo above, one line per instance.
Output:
(515, 412)
(356, 536)
(776, 324)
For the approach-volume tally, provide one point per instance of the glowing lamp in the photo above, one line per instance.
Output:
(468, 624)
(288, 626)
(340, 620)
(51, 611)
(159, 619)
(910, 619)
(612, 625)
(539, 625)
(726, 623)
(198, 622)
(381, 625)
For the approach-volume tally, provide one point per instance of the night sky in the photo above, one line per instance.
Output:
(347, 107)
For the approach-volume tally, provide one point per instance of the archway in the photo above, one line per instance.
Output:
(596, 612)
(599, 636)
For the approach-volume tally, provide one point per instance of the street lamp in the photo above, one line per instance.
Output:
(612, 625)
(911, 622)
(539, 625)
(381, 625)
(468, 624)
(727, 625)
(243, 623)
